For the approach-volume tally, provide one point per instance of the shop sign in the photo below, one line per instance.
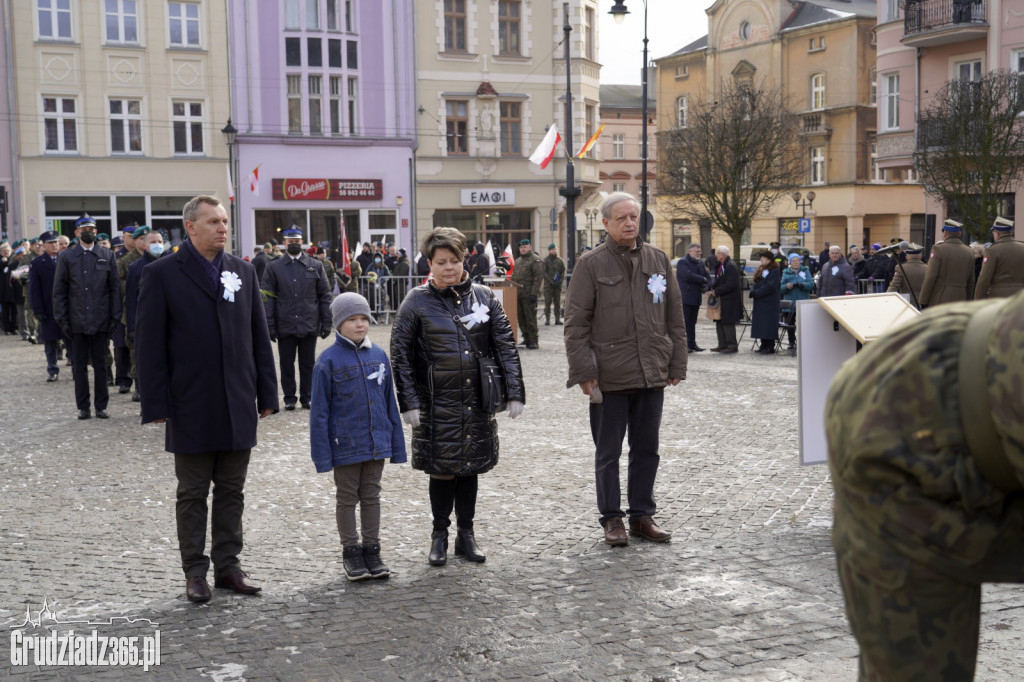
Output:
(325, 189)
(488, 197)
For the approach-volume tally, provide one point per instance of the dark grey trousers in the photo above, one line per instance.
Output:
(638, 415)
(306, 348)
(226, 470)
(358, 484)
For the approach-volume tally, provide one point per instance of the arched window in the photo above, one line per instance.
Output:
(682, 109)
(818, 91)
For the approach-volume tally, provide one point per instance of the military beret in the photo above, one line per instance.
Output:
(35, 241)
(85, 221)
(142, 231)
(1002, 224)
(101, 236)
(950, 225)
(524, 242)
(551, 246)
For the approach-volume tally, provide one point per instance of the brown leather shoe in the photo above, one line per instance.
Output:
(615, 532)
(236, 581)
(646, 528)
(197, 589)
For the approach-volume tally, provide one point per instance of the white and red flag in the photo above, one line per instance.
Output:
(346, 259)
(543, 154)
(507, 254)
(254, 181)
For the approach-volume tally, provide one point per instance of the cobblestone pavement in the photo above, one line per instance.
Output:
(745, 591)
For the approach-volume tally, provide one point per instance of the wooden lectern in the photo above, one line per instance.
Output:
(505, 291)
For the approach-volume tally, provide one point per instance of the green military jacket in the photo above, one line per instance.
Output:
(528, 274)
(554, 272)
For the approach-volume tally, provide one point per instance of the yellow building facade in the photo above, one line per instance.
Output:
(824, 60)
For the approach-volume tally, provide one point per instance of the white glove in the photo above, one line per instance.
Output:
(515, 408)
(412, 418)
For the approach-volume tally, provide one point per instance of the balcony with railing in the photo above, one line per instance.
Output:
(939, 22)
(815, 124)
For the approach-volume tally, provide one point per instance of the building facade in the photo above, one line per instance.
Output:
(924, 44)
(324, 107)
(490, 81)
(120, 106)
(822, 55)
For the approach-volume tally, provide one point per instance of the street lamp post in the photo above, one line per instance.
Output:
(619, 11)
(570, 191)
(803, 205)
(230, 133)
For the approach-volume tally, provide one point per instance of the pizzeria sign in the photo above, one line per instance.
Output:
(326, 189)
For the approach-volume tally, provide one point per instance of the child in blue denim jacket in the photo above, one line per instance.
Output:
(354, 425)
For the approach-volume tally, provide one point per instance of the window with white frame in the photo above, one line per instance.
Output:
(891, 101)
(618, 146)
(187, 120)
(333, 16)
(873, 88)
(968, 71)
(315, 105)
(335, 104)
(511, 125)
(292, 15)
(125, 126)
(1017, 61)
(312, 15)
(294, 103)
(911, 175)
(818, 91)
(682, 111)
(590, 43)
(455, 25)
(456, 126)
(817, 165)
(509, 12)
(60, 124)
(349, 16)
(618, 187)
(876, 173)
(183, 21)
(353, 105)
(122, 19)
(54, 19)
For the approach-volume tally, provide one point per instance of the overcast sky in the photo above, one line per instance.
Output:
(671, 24)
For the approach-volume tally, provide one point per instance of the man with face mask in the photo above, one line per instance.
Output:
(87, 307)
(154, 248)
(298, 307)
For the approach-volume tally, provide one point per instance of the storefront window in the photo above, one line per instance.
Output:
(500, 227)
(789, 234)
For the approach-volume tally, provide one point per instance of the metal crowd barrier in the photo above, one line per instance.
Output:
(385, 294)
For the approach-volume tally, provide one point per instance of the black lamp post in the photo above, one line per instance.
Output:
(230, 132)
(619, 11)
(803, 205)
(570, 191)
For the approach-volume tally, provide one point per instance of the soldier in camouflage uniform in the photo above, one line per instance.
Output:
(554, 276)
(529, 275)
(927, 510)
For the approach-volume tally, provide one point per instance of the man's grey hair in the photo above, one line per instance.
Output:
(722, 248)
(835, 248)
(614, 198)
(693, 245)
(191, 210)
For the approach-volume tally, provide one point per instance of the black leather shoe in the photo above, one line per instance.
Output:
(305, 404)
(123, 389)
(289, 406)
(136, 398)
(697, 349)
(438, 548)
(197, 589)
(532, 346)
(84, 414)
(102, 414)
(236, 582)
(465, 545)
(52, 378)
(558, 322)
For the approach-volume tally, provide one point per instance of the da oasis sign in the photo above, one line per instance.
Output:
(488, 197)
(325, 189)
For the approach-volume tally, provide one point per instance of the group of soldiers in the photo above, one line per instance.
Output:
(952, 273)
(531, 274)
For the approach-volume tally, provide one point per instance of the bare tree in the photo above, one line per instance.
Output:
(736, 155)
(969, 147)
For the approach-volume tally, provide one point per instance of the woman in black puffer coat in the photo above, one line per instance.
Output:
(438, 383)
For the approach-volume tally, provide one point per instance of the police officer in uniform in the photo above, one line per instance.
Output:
(950, 274)
(87, 306)
(909, 277)
(925, 450)
(40, 297)
(1002, 269)
(298, 307)
(528, 273)
(554, 276)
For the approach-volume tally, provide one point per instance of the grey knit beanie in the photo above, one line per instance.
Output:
(348, 304)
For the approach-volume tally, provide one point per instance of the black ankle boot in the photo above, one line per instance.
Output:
(438, 548)
(465, 545)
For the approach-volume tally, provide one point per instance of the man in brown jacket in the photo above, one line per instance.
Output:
(1002, 270)
(625, 340)
(950, 274)
(909, 276)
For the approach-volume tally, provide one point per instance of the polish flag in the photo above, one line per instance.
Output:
(489, 252)
(346, 259)
(507, 253)
(543, 154)
(254, 181)
(231, 186)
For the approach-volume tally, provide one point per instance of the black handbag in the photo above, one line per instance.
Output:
(493, 392)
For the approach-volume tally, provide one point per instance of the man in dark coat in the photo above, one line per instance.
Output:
(87, 308)
(725, 285)
(260, 260)
(298, 307)
(693, 281)
(206, 369)
(40, 297)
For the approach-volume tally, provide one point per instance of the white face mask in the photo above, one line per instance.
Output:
(156, 249)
